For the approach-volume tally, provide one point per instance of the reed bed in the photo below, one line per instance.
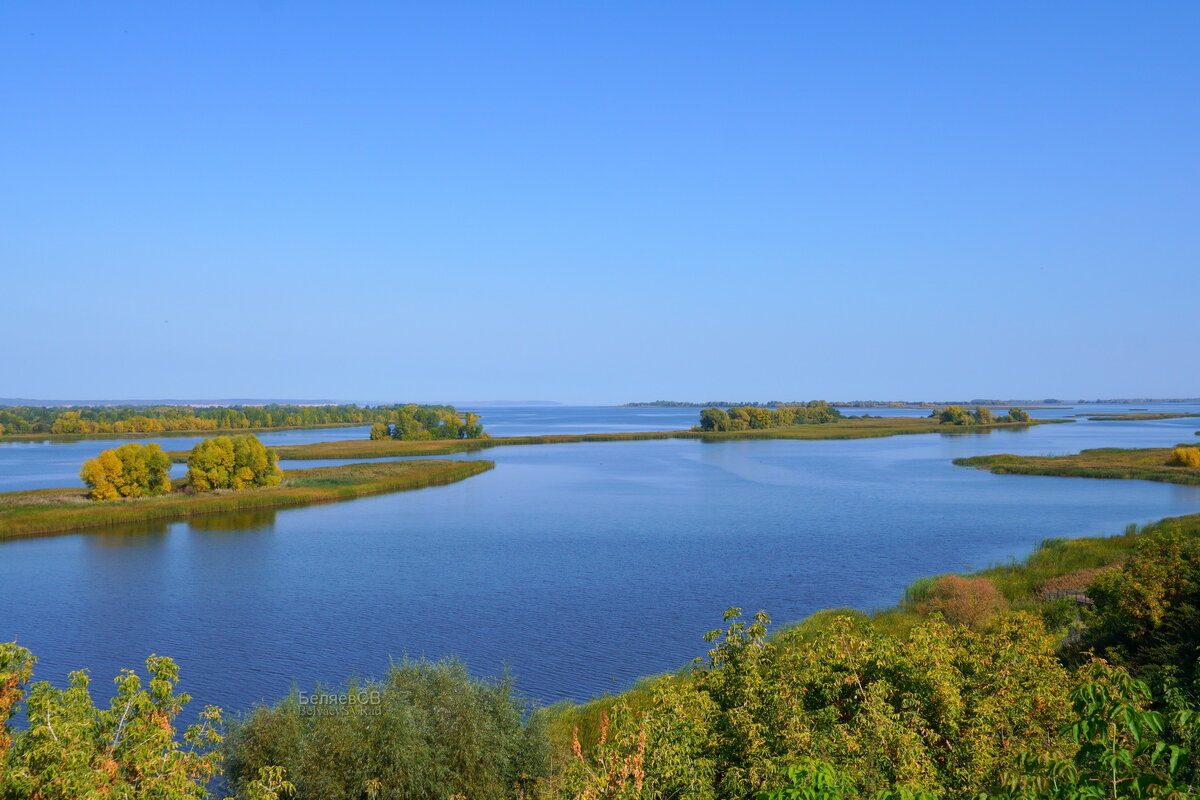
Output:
(1147, 464)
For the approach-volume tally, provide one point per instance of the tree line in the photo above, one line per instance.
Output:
(428, 422)
(980, 415)
(745, 418)
(162, 419)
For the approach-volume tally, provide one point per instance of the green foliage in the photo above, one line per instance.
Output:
(98, 420)
(938, 711)
(417, 423)
(1147, 613)
(982, 415)
(714, 419)
(954, 415)
(756, 417)
(232, 462)
(73, 750)
(1123, 749)
(131, 470)
(427, 730)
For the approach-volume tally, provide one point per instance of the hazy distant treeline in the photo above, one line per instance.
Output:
(156, 419)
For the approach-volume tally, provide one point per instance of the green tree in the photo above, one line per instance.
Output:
(1147, 613)
(714, 419)
(982, 415)
(381, 430)
(131, 470)
(232, 462)
(955, 415)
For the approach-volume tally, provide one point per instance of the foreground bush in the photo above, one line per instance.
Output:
(232, 462)
(973, 602)
(427, 731)
(71, 749)
(131, 470)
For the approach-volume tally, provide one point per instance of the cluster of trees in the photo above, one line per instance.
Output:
(428, 422)
(131, 470)
(980, 415)
(232, 462)
(158, 419)
(745, 418)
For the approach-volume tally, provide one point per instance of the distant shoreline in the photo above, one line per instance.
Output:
(915, 404)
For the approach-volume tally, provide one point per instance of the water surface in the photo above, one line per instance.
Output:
(580, 566)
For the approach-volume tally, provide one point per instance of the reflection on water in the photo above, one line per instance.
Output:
(245, 520)
(136, 534)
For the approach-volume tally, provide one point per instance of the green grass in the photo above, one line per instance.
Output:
(1148, 464)
(46, 511)
(845, 429)
(1149, 416)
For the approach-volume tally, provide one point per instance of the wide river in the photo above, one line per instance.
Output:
(580, 567)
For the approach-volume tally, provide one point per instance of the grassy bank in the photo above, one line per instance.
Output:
(1136, 416)
(45, 511)
(1148, 464)
(845, 429)
(1046, 584)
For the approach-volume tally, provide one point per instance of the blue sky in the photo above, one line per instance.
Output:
(599, 202)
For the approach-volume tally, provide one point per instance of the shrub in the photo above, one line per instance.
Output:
(131, 470)
(973, 602)
(232, 462)
(427, 731)
(381, 430)
(955, 415)
(1185, 457)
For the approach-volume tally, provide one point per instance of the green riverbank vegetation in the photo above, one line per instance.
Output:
(979, 415)
(744, 418)
(416, 423)
(46, 511)
(845, 428)
(1137, 416)
(1171, 465)
(37, 421)
(1072, 674)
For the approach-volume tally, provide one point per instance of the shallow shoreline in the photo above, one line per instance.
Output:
(53, 511)
(1114, 463)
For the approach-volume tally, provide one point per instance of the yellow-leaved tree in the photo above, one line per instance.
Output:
(232, 462)
(131, 470)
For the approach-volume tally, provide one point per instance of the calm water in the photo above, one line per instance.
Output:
(579, 566)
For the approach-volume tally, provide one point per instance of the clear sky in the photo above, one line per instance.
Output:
(599, 201)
